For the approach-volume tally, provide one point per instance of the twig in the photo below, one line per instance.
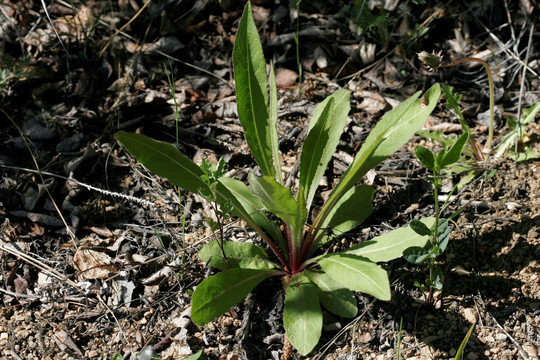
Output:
(521, 87)
(89, 187)
(123, 27)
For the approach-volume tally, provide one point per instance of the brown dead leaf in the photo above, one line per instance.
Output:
(285, 77)
(64, 341)
(92, 264)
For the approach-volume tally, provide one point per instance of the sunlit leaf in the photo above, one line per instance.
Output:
(350, 211)
(239, 255)
(302, 317)
(251, 91)
(389, 135)
(453, 155)
(325, 129)
(357, 273)
(333, 296)
(217, 294)
(166, 161)
(391, 245)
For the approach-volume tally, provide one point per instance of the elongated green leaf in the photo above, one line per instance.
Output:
(252, 205)
(453, 155)
(391, 245)
(273, 116)
(166, 161)
(197, 356)
(350, 211)
(357, 274)
(217, 294)
(326, 127)
(420, 228)
(239, 255)
(251, 91)
(389, 135)
(278, 200)
(302, 317)
(333, 296)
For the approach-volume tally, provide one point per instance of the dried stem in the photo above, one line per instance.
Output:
(489, 145)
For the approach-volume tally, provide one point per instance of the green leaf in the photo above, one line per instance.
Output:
(325, 129)
(391, 245)
(241, 197)
(453, 155)
(389, 135)
(199, 355)
(416, 254)
(425, 156)
(302, 316)
(251, 91)
(239, 255)
(350, 211)
(217, 294)
(420, 228)
(443, 234)
(452, 103)
(357, 273)
(333, 296)
(273, 117)
(461, 349)
(166, 161)
(529, 115)
(278, 200)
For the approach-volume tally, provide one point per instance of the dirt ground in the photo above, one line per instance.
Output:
(98, 256)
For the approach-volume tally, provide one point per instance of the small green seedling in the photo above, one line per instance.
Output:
(460, 353)
(282, 217)
(439, 232)
(510, 140)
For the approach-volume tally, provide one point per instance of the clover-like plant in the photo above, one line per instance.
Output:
(281, 216)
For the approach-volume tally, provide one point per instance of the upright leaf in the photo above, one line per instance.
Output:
(391, 133)
(333, 296)
(253, 207)
(217, 294)
(452, 156)
(273, 116)
(166, 161)
(302, 317)
(350, 211)
(325, 129)
(251, 91)
(391, 245)
(279, 200)
(357, 274)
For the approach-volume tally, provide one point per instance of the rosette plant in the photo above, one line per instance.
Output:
(280, 215)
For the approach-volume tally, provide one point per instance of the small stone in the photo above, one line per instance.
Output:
(501, 337)
(452, 352)
(4, 336)
(470, 315)
(531, 350)
(92, 354)
(472, 356)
